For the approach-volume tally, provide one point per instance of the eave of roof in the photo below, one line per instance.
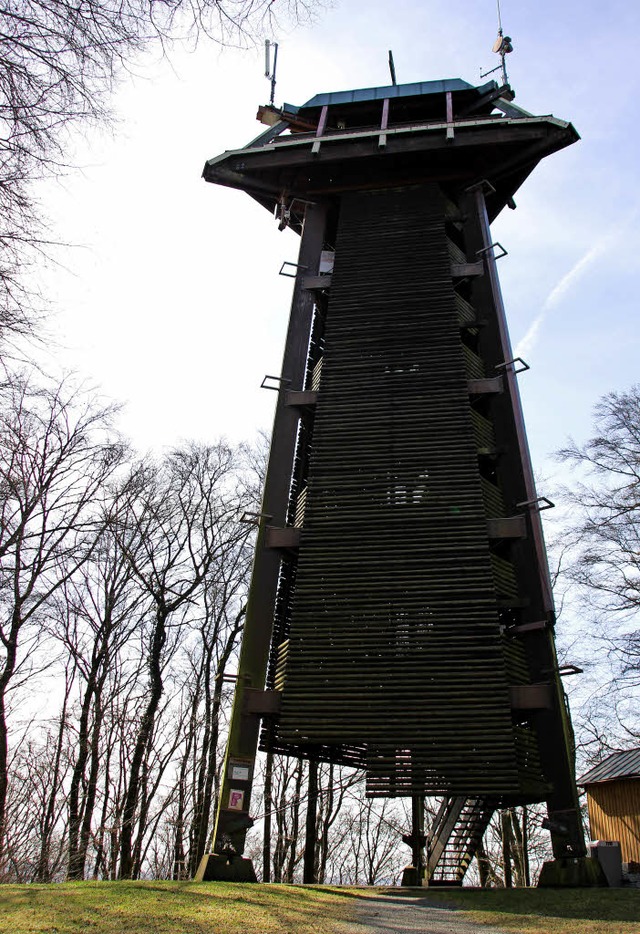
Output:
(624, 764)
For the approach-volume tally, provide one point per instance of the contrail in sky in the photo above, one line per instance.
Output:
(558, 291)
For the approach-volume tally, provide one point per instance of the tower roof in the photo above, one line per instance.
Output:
(404, 134)
(393, 91)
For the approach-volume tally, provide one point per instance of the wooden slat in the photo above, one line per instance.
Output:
(614, 814)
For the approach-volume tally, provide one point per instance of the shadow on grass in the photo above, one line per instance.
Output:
(341, 893)
(584, 904)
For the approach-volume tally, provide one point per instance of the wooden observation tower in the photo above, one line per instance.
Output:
(400, 616)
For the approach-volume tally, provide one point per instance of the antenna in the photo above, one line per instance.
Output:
(270, 72)
(502, 46)
(392, 68)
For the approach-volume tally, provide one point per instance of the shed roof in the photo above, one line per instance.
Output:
(624, 764)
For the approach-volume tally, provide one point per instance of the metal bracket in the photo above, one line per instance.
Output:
(282, 213)
(281, 380)
(301, 398)
(483, 185)
(478, 387)
(285, 538)
(492, 246)
(463, 270)
(555, 826)
(291, 275)
(316, 283)
(263, 703)
(534, 503)
(254, 518)
(537, 626)
(508, 363)
(530, 696)
(507, 527)
(565, 671)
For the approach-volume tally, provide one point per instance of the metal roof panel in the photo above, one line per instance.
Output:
(623, 764)
(416, 89)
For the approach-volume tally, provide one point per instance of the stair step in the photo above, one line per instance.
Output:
(459, 849)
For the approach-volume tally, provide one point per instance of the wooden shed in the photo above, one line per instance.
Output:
(613, 798)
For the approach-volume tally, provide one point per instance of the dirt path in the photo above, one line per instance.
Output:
(389, 914)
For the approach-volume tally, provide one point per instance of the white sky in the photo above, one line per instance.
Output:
(173, 303)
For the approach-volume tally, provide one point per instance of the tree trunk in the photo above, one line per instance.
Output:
(92, 781)
(309, 864)
(75, 868)
(505, 823)
(43, 871)
(5, 679)
(266, 839)
(140, 748)
(295, 825)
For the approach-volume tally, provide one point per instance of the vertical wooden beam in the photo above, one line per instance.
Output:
(449, 97)
(384, 123)
(322, 122)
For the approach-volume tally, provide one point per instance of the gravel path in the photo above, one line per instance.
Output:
(385, 914)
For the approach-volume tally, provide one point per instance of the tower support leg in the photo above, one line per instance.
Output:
(415, 873)
(233, 810)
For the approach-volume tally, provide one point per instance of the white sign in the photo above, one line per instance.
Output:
(240, 773)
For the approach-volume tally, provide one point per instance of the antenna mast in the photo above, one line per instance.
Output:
(502, 46)
(270, 72)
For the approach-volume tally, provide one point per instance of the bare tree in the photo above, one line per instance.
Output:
(513, 849)
(218, 635)
(335, 784)
(286, 801)
(54, 461)
(58, 64)
(377, 841)
(95, 615)
(36, 828)
(186, 516)
(605, 535)
(143, 590)
(53, 799)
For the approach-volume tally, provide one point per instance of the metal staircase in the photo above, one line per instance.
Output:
(457, 831)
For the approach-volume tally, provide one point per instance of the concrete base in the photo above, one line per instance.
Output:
(412, 877)
(214, 868)
(583, 872)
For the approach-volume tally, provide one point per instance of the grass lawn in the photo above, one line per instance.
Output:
(225, 908)
(167, 908)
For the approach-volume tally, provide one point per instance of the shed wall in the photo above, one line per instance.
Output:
(614, 814)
